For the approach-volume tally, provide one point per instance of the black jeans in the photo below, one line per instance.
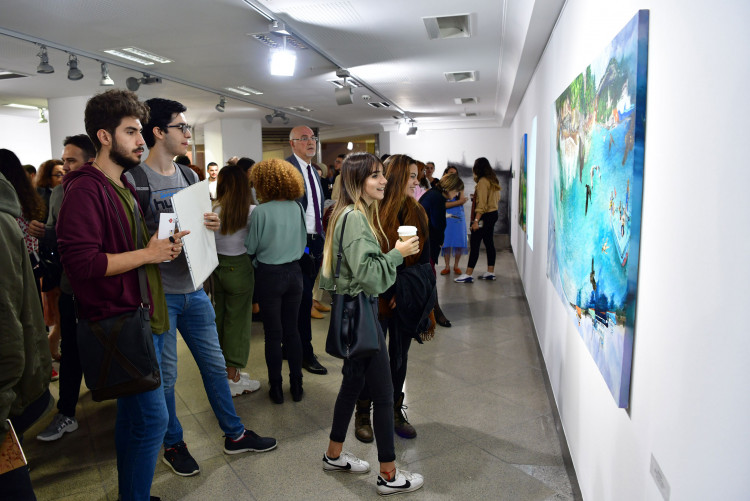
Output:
(398, 364)
(376, 371)
(71, 373)
(315, 246)
(484, 234)
(279, 288)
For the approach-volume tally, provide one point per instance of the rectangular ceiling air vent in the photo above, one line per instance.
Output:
(299, 109)
(458, 26)
(276, 41)
(466, 100)
(137, 55)
(381, 104)
(462, 76)
(350, 81)
(469, 114)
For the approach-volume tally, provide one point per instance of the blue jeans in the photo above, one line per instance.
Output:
(194, 316)
(139, 430)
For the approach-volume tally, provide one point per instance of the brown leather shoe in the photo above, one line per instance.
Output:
(320, 306)
(362, 425)
(315, 313)
(400, 425)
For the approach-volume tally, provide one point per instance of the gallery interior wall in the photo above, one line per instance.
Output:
(689, 399)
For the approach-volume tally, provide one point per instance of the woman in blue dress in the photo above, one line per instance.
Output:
(455, 230)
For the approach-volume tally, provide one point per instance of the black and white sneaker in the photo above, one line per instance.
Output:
(179, 459)
(403, 481)
(346, 462)
(249, 442)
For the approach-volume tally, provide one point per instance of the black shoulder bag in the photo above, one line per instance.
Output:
(353, 331)
(117, 353)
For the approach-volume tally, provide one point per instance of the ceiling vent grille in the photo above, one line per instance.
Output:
(461, 76)
(276, 41)
(299, 109)
(469, 114)
(466, 100)
(352, 82)
(381, 104)
(458, 26)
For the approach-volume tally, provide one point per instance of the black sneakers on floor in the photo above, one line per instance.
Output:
(249, 442)
(179, 459)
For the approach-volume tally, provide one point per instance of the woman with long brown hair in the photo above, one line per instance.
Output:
(400, 208)
(50, 174)
(486, 198)
(276, 241)
(234, 278)
(365, 268)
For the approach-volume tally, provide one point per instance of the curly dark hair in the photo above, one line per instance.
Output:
(276, 179)
(44, 174)
(106, 111)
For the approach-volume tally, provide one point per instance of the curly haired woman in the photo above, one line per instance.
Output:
(276, 241)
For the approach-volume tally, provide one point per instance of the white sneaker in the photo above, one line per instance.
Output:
(403, 481)
(488, 276)
(463, 278)
(59, 426)
(346, 462)
(243, 386)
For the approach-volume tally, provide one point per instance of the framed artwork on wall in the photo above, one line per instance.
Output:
(596, 187)
(522, 200)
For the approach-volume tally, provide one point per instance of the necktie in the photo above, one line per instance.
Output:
(314, 200)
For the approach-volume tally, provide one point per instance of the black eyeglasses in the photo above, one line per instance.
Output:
(305, 139)
(185, 128)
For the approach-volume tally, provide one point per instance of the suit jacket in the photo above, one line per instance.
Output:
(303, 199)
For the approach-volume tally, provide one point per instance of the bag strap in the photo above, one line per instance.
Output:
(341, 244)
(143, 189)
(142, 279)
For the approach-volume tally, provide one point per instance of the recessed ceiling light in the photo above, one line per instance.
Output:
(245, 88)
(21, 106)
(129, 57)
(147, 55)
(237, 91)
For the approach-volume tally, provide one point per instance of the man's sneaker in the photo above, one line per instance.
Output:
(179, 459)
(488, 276)
(248, 442)
(243, 386)
(346, 462)
(59, 426)
(463, 278)
(403, 481)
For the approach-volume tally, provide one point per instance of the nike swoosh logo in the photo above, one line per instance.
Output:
(405, 486)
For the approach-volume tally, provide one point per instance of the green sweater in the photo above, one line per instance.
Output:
(364, 267)
(277, 233)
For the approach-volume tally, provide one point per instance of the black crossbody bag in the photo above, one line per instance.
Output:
(353, 331)
(117, 353)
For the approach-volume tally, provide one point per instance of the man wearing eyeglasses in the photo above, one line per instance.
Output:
(304, 144)
(167, 135)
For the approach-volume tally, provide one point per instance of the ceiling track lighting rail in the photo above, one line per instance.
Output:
(120, 64)
(283, 22)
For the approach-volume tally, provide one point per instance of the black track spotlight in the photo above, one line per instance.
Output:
(222, 104)
(44, 66)
(74, 73)
(269, 118)
(277, 114)
(133, 83)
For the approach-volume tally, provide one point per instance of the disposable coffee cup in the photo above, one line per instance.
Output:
(406, 232)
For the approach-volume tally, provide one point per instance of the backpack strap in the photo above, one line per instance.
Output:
(143, 190)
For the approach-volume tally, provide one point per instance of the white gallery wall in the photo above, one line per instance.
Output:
(26, 137)
(689, 398)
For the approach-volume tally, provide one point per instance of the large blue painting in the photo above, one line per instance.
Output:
(596, 186)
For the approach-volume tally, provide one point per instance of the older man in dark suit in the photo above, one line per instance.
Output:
(304, 144)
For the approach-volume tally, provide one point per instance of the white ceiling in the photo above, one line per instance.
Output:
(384, 43)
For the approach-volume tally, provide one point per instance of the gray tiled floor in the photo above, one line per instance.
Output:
(476, 395)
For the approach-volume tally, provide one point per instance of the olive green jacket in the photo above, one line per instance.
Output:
(363, 267)
(25, 366)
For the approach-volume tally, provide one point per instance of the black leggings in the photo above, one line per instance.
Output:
(484, 234)
(376, 372)
(279, 292)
